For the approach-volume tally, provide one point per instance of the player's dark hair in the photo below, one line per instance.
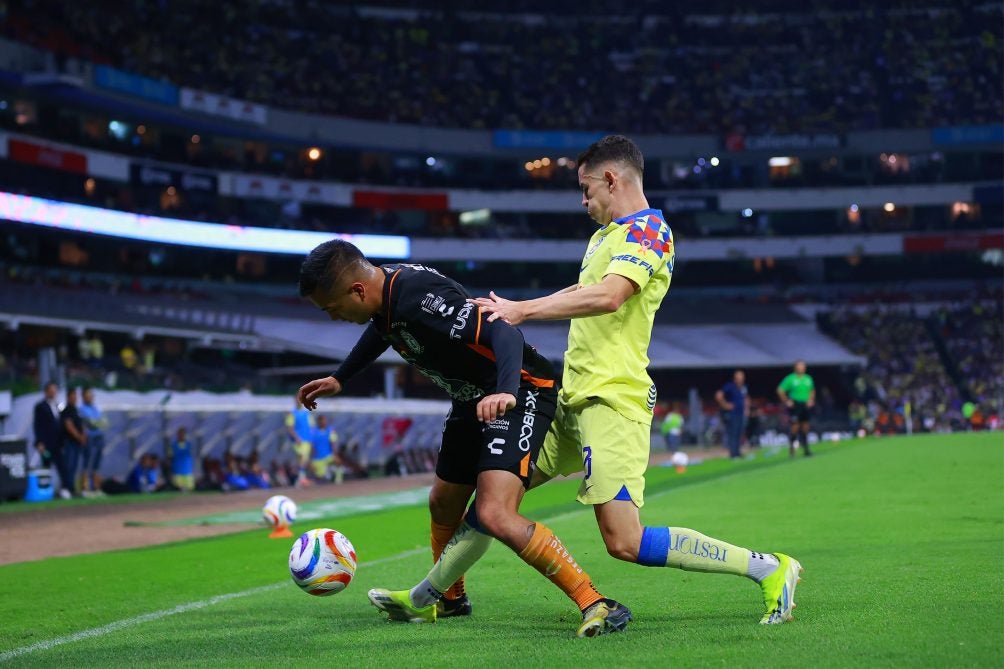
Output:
(325, 263)
(617, 148)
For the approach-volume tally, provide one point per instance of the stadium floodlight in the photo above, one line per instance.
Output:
(94, 220)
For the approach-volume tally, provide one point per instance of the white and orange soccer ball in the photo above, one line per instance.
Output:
(322, 562)
(279, 512)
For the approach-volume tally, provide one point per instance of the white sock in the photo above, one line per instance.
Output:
(761, 565)
(424, 594)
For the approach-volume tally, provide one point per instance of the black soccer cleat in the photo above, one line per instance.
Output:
(451, 608)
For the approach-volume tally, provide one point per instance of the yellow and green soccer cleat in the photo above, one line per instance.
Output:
(398, 607)
(604, 617)
(779, 590)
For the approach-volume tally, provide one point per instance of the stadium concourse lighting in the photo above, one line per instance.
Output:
(747, 212)
(715, 161)
(779, 161)
(314, 153)
(81, 218)
(430, 161)
(889, 206)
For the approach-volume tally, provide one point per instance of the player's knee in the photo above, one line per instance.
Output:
(492, 518)
(442, 507)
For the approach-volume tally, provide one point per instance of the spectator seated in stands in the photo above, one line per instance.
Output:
(670, 68)
(145, 477)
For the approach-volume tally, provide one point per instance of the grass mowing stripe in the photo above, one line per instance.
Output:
(164, 613)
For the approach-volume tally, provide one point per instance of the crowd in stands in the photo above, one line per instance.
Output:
(650, 67)
(908, 384)
(974, 337)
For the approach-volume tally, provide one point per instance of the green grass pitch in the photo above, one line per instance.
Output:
(901, 539)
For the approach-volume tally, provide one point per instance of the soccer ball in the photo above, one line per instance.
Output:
(322, 562)
(279, 511)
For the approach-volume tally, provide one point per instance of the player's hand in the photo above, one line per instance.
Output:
(789, 404)
(309, 393)
(492, 406)
(810, 404)
(498, 307)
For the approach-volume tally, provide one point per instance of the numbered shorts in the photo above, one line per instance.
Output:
(510, 443)
(610, 449)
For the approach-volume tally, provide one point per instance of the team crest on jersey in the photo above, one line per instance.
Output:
(411, 342)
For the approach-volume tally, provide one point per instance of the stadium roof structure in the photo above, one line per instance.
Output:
(673, 347)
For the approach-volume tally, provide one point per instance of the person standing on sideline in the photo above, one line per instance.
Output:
(734, 400)
(322, 458)
(48, 432)
(74, 439)
(300, 428)
(94, 424)
(182, 462)
(672, 428)
(798, 392)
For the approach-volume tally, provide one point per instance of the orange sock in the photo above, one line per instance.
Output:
(441, 535)
(546, 554)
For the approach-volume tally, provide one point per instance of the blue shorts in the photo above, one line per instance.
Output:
(92, 452)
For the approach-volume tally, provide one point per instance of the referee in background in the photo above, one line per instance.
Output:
(798, 392)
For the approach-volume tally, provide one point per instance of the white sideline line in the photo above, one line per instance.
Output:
(192, 606)
(164, 613)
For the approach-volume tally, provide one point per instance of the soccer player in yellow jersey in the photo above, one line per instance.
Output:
(602, 425)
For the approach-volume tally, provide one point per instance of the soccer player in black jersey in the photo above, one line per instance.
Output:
(504, 396)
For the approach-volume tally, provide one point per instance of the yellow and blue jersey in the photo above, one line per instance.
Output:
(607, 356)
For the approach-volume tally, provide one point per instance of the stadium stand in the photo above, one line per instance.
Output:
(906, 64)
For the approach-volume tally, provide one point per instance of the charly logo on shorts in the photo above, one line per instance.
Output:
(652, 394)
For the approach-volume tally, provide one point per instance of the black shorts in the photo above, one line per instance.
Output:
(799, 412)
(510, 443)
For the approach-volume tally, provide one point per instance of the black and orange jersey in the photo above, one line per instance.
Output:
(430, 321)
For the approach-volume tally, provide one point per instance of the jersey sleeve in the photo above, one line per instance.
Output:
(785, 384)
(645, 249)
(367, 349)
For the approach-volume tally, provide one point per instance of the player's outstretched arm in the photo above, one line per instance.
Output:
(599, 298)
(367, 349)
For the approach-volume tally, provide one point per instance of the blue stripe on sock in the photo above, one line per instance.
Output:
(654, 547)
